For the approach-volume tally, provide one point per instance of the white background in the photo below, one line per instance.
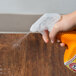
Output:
(37, 6)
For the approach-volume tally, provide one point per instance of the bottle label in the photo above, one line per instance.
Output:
(71, 64)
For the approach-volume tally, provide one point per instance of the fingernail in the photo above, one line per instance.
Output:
(47, 41)
(52, 41)
(58, 41)
(62, 44)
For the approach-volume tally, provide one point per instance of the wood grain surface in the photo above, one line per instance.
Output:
(28, 55)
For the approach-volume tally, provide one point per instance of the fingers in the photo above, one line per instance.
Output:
(45, 36)
(62, 44)
(53, 33)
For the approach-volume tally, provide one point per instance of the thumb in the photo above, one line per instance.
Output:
(53, 33)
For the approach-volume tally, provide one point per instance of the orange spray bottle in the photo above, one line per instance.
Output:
(69, 38)
(46, 22)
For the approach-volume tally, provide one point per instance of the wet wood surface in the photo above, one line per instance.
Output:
(28, 55)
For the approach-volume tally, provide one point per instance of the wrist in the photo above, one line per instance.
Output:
(73, 17)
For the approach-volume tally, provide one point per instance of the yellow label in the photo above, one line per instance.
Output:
(71, 64)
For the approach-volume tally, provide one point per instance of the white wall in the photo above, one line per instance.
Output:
(37, 6)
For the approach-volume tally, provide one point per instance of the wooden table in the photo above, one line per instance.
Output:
(28, 55)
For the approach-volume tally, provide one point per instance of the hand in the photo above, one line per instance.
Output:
(66, 23)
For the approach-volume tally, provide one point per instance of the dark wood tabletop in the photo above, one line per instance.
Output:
(29, 55)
